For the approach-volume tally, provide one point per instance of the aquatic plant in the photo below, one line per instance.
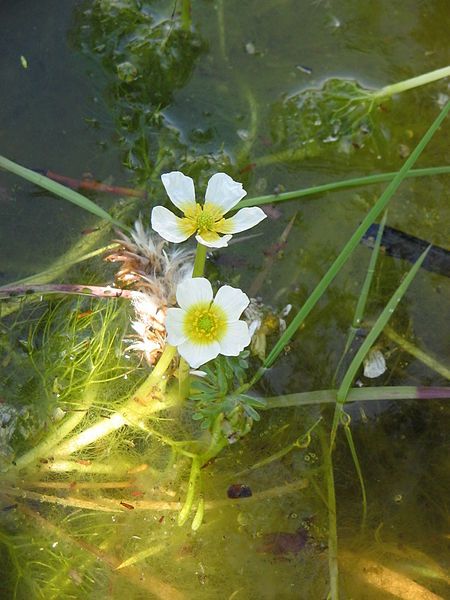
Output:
(108, 456)
(341, 113)
(222, 403)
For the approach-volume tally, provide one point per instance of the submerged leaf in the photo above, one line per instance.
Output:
(338, 112)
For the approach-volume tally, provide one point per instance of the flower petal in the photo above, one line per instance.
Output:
(232, 301)
(223, 192)
(180, 189)
(193, 291)
(242, 220)
(175, 326)
(169, 227)
(236, 339)
(198, 354)
(214, 240)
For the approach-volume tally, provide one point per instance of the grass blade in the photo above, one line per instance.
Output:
(338, 185)
(351, 445)
(351, 245)
(377, 328)
(368, 394)
(362, 300)
(59, 190)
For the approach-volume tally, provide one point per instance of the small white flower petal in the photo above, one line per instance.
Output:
(254, 326)
(232, 301)
(197, 355)
(198, 373)
(223, 192)
(244, 219)
(180, 189)
(236, 339)
(220, 242)
(374, 364)
(175, 326)
(193, 291)
(168, 225)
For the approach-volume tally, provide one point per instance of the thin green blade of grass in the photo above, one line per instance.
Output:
(377, 328)
(59, 190)
(353, 242)
(338, 185)
(351, 445)
(362, 300)
(46, 276)
(369, 394)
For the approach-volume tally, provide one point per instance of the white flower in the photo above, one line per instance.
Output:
(204, 327)
(207, 221)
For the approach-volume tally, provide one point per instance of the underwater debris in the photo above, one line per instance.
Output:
(398, 244)
(239, 490)
(374, 364)
(282, 543)
(263, 321)
(154, 273)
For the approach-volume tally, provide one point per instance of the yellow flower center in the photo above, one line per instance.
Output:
(205, 220)
(205, 323)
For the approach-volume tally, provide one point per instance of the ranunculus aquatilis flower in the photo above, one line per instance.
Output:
(203, 326)
(206, 221)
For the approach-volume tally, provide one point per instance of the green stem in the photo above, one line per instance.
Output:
(373, 334)
(338, 185)
(200, 260)
(332, 520)
(60, 190)
(217, 443)
(45, 448)
(362, 300)
(192, 486)
(414, 82)
(146, 400)
(184, 379)
(50, 274)
(410, 348)
(186, 20)
(369, 394)
(351, 445)
(352, 243)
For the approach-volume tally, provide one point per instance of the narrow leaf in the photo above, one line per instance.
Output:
(59, 190)
(342, 258)
(377, 329)
(338, 185)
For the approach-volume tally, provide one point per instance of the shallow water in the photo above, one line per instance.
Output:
(218, 107)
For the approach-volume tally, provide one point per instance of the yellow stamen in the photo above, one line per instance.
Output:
(202, 219)
(205, 323)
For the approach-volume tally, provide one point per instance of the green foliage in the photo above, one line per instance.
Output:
(341, 112)
(59, 190)
(212, 395)
(352, 243)
(146, 58)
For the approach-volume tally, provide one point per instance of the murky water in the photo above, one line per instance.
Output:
(101, 96)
